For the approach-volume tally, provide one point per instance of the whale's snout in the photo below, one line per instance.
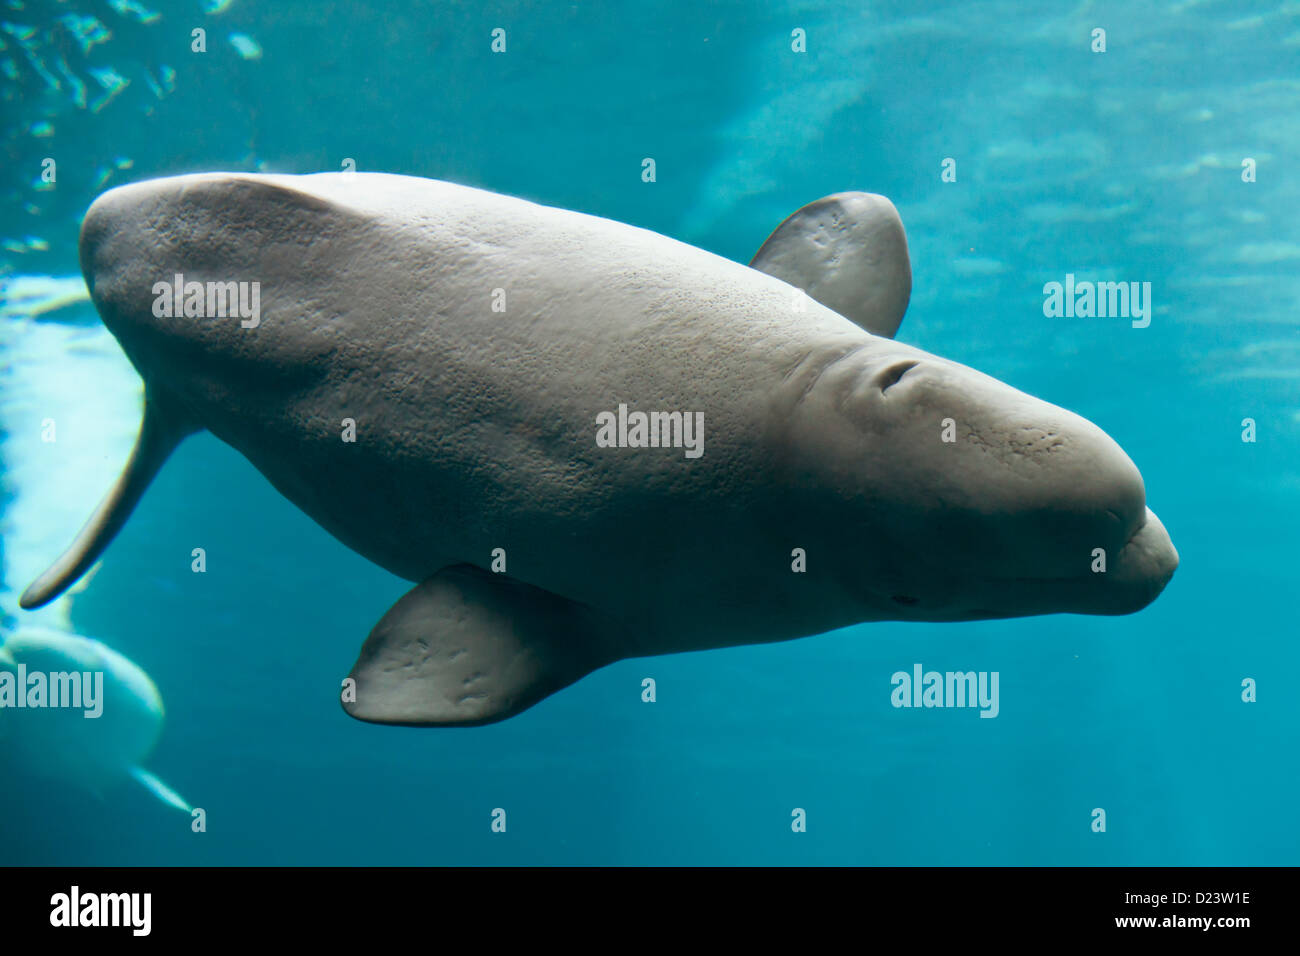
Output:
(1092, 546)
(1140, 570)
(1065, 527)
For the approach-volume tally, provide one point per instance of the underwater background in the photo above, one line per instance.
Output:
(1120, 165)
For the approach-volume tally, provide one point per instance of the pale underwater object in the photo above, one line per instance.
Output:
(93, 740)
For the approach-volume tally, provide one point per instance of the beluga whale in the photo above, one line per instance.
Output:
(491, 398)
(74, 710)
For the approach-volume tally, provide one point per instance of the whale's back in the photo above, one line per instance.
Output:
(473, 339)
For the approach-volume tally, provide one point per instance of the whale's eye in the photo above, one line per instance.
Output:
(891, 376)
(905, 599)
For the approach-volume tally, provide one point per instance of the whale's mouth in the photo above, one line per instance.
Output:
(1143, 566)
(1122, 583)
(1119, 583)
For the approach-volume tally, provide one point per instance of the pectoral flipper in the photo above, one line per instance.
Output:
(468, 647)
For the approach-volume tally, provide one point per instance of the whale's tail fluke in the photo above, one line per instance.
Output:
(161, 430)
(160, 790)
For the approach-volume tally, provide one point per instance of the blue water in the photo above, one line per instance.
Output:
(1117, 165)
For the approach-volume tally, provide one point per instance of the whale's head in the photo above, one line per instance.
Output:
(954, 496)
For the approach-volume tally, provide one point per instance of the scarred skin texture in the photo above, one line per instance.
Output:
(475, 429)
